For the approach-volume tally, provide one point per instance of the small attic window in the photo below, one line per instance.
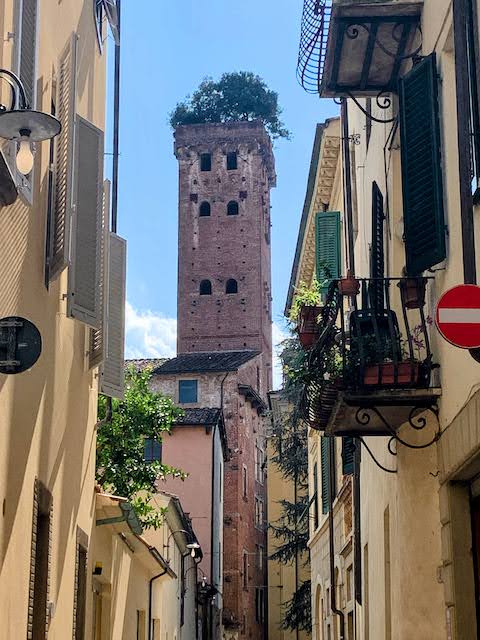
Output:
(205, 288)
(232, 161)
(205, 162)
(232, 286)
(205, 209)
(232, 208)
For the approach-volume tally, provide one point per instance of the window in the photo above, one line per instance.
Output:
(258, 512)
(377, 252)
(325, 444)
(245, 570)
(259, 464)
(232, 286)
(472, 45)
(205, 162)
(232, 160)
(204, 209)
(259, 605)
(80, 586)
(141, 625)
(348, 453)
(259, 550)
(368, 120)
(152, 450)
(245, 481)
(327, 247)
(188, 391)
(315, 496)
(39, 578)
(205, 288)
(232, 208)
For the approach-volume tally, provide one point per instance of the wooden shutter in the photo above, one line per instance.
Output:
(27, 48)
(325, 463)
(97, 342)
(112, 379)
(422, 167)
(327, 241)
(377, 257)
(63, 178)
(84, 274)
(348, 452)
(315, 495)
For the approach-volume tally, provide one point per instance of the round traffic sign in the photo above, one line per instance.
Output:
(458, 316)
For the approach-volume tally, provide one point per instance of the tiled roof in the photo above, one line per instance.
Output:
(206, 362)
(143, 363)
(202, 416)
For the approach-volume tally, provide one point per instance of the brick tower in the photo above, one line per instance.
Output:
(224, 329)
(224, 262)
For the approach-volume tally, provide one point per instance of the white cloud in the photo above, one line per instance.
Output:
(149, 334)
(278, 336)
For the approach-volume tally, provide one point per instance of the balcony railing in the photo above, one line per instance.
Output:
(373, 350)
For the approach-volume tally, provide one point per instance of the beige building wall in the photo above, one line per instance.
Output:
(47, 414)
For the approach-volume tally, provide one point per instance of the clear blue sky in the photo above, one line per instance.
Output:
(168, 48)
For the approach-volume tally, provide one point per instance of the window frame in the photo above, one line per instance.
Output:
(182, 383)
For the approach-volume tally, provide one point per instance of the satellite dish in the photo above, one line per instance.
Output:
(20, 345)
(111, 11)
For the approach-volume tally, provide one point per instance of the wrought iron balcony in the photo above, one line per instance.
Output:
(357, 48)
(371, 368)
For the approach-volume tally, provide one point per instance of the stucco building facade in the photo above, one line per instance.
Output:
(415, 528)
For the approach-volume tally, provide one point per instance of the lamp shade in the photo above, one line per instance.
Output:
(42, 126)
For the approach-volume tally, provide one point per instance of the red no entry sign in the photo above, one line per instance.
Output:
(458, 316)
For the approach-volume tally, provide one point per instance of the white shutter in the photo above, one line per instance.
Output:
(62, 197)
(83, 301)
(97, 338)
(112, 380)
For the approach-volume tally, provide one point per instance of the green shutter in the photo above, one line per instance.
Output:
(327, 246)
(377, 256)
(421, 167)
(325, 475)
(315, 495)
(348, 452)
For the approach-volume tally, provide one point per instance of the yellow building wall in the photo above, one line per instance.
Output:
(47, 414)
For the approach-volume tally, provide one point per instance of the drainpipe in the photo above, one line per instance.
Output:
(333, 595)
(150, 598)
(347, 180)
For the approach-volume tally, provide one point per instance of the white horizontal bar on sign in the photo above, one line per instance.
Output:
(459, 316)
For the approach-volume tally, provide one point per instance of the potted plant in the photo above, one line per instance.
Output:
(305, 313)
(349, 286)
(412, 291)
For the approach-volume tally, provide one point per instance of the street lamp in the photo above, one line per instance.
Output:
(193, 546)
(23, 124)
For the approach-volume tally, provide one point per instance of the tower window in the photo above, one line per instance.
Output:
(232, 208)
(152, 450)
(231, 160)
(232, 286)
(205, 288)
(205, 162)
(205, 209)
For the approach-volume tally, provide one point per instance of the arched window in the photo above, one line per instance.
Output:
(232, 286)
(205, 209)
(205, 288)
(232, 208)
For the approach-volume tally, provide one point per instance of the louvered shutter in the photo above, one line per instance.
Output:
(97, 342)
(422, 167)
(85, 268)
(112, 378)
(377, 267)
(348, 452)
(63, 178)
(27, 48)
(325, 463)
(327, 245)
(315, 495)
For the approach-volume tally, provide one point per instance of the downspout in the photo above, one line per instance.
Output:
(150, 598)
(333, 586)
(212, 551)
(295, 497)
(347, 192)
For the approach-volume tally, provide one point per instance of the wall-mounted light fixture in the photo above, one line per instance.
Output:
(192, 546)
(23, 124)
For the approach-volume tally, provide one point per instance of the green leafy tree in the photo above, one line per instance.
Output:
(290, 444)
(236, 96)
(121, 467)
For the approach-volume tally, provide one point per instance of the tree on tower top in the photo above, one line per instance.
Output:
(236, 96)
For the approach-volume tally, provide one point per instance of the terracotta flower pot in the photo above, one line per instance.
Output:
(308, 328)
(349, 286)
(413, 292)
(408, 374)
